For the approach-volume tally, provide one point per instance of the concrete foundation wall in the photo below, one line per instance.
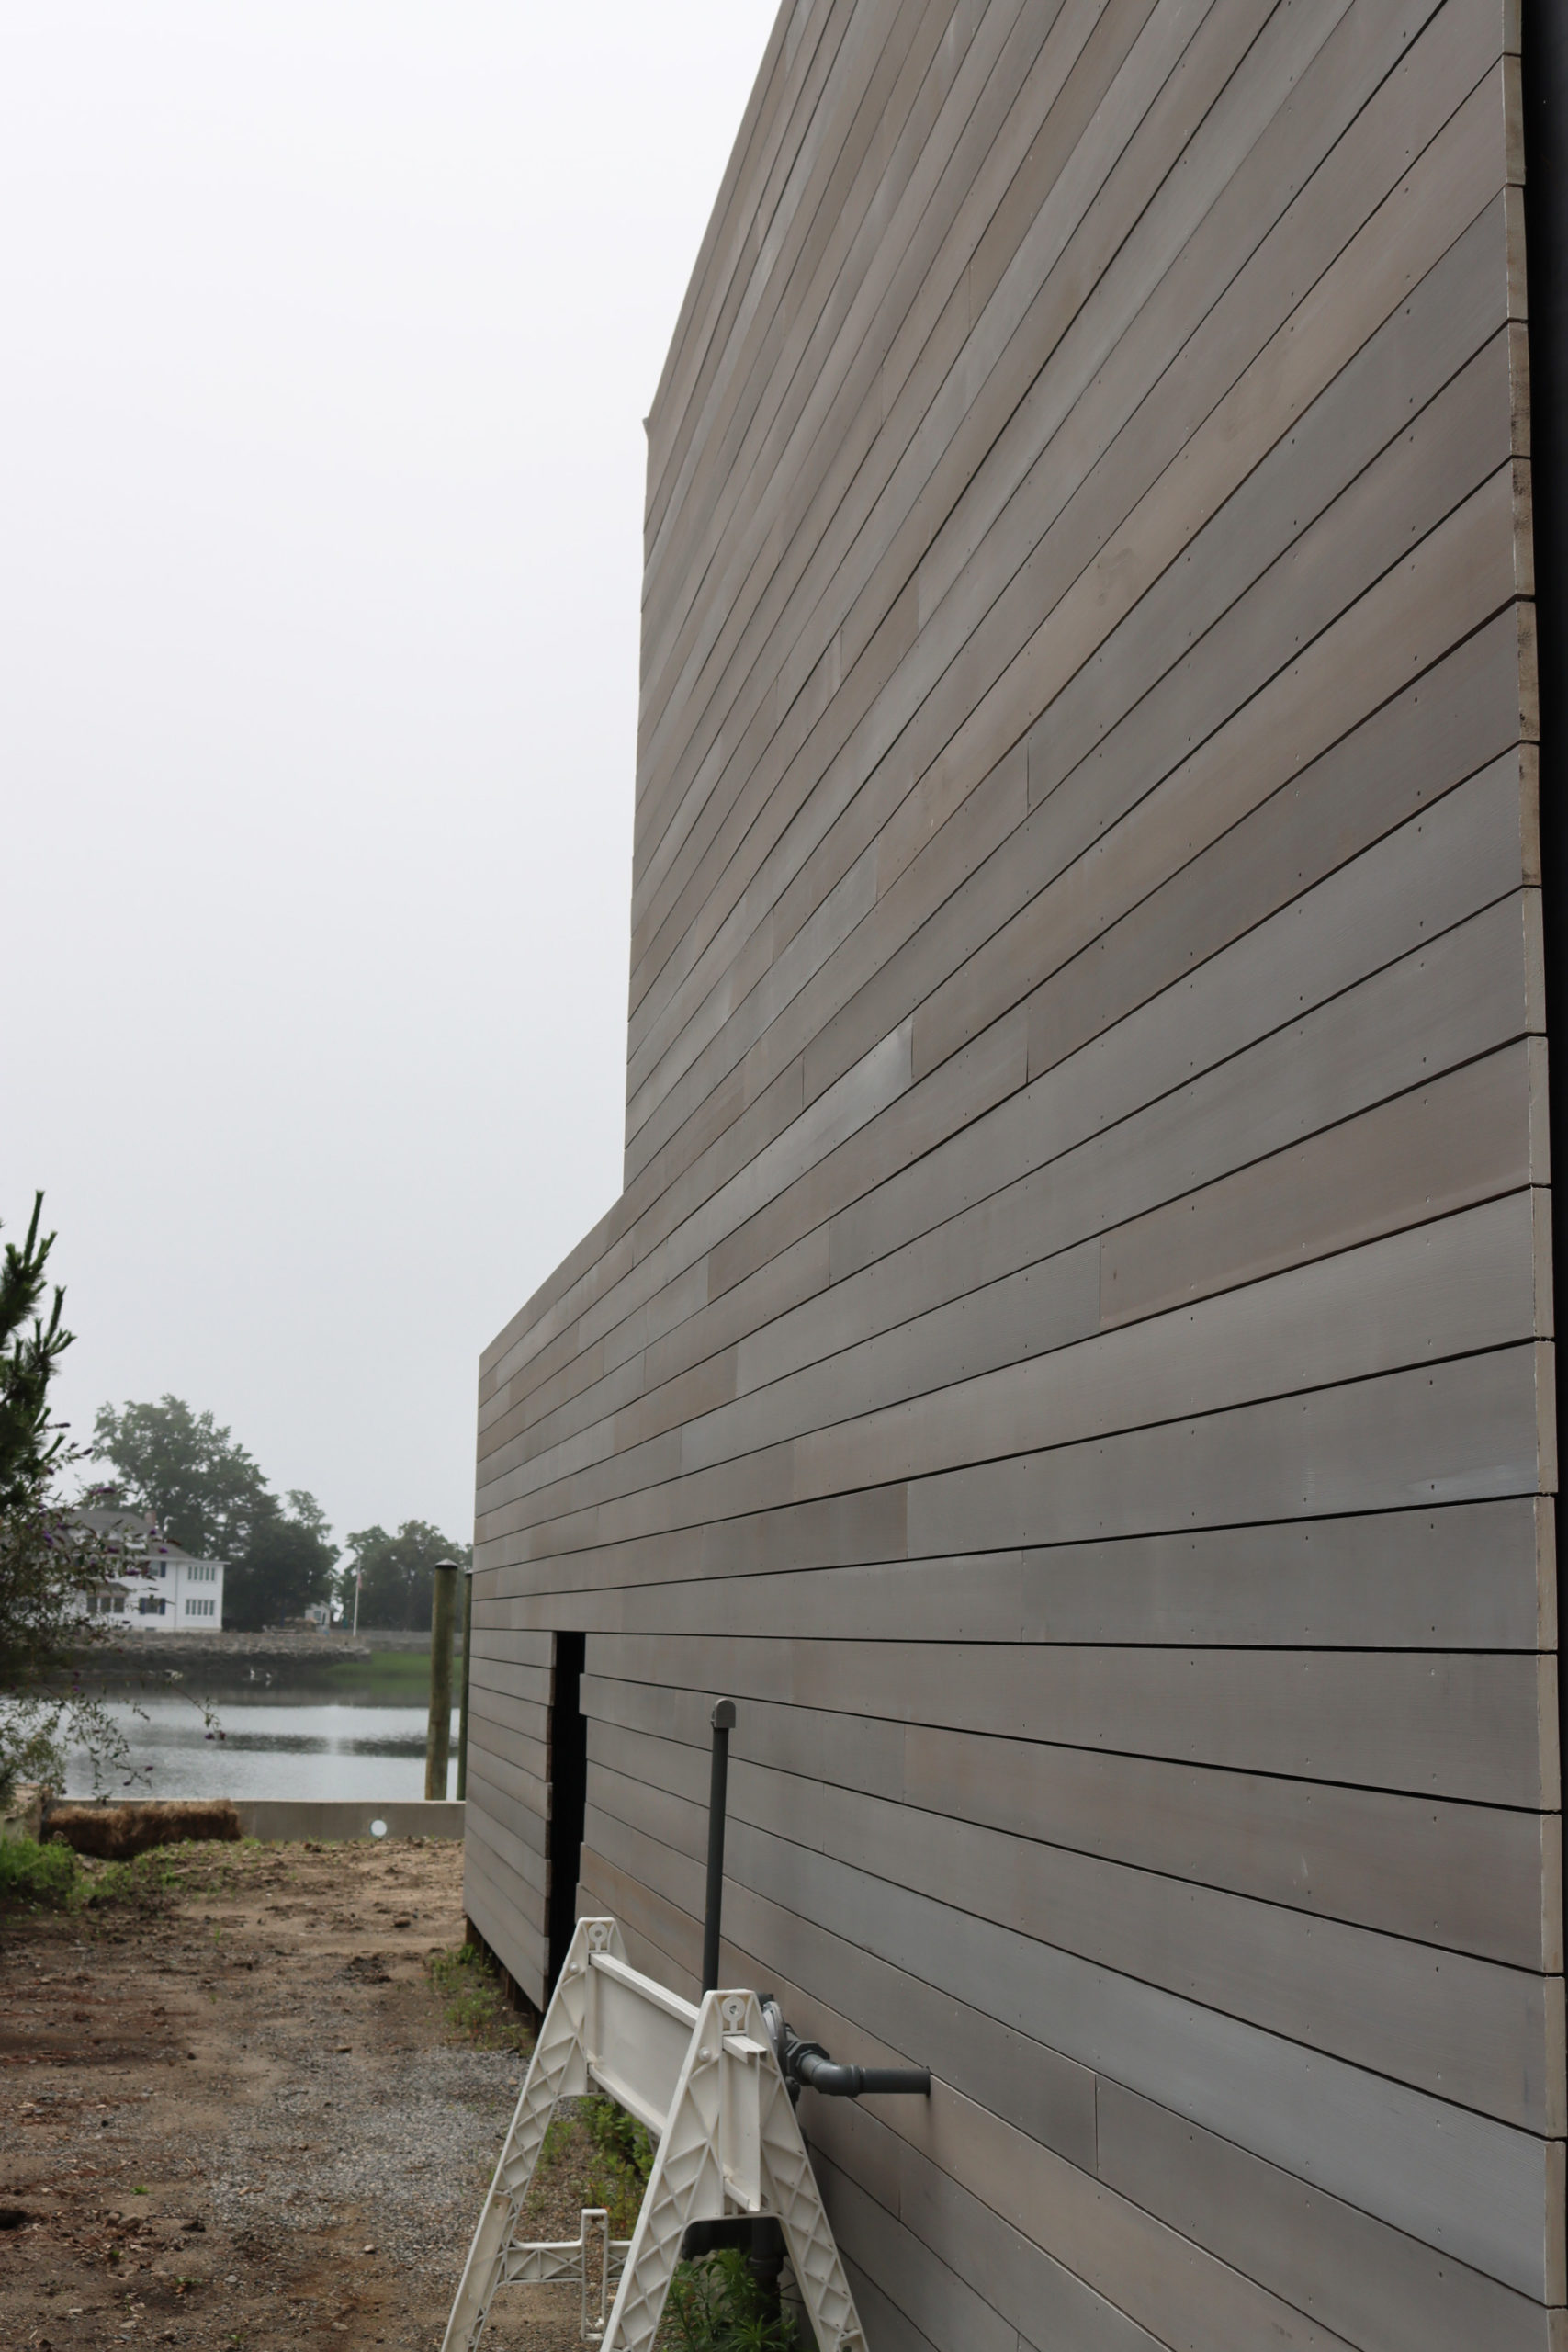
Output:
(285, 1819)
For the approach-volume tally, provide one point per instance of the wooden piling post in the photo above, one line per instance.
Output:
(439, 1737)
(463, 1701)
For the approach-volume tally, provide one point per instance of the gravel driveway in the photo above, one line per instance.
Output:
(246, 2121)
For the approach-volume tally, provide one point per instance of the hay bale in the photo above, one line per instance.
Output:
(113, 1833)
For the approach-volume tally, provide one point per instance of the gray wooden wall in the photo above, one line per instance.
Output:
(1073, 1354)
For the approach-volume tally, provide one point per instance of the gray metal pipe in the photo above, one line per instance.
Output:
(816, 2071)
(723, 1720)
(806, 2065)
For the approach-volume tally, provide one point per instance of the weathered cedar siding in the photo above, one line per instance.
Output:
(1073, 1356)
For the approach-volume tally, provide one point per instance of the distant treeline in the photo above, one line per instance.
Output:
(209, 1494)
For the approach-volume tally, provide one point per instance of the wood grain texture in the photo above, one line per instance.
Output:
(1476, 2188)
(1489, 2037)
(1074, 1358)
(1432, 253)
(1338, 53)
(1372, 2285)
(1446, 1874)
(1457, 83)
(1128, 2270)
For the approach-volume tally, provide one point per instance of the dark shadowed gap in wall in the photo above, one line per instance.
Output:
(569, 1792)
(1545, 94)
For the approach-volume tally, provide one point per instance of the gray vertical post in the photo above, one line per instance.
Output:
(438, 1736)
(463, 1701)
(723, 1724)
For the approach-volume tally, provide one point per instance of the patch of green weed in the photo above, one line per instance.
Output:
(716, 2305)
(584, 2157)
(619, 2137)
(148, 1885)
(619, 2157)
(51, 1876)
(35, 1877)
(474, 2001)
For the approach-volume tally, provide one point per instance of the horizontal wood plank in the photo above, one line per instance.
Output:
(1073, 1356)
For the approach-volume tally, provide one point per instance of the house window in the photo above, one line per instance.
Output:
(198, 1608)
(151, 1604)
(201, 1572)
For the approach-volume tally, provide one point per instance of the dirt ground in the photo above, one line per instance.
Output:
(253, 2118)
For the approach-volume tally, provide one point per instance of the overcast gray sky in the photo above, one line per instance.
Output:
(329, 326)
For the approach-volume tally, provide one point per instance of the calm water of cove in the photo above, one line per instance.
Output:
(282, 1745)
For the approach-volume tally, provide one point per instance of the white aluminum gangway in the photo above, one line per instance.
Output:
(705, 2081)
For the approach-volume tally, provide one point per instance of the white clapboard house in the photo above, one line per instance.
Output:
(149, 1583)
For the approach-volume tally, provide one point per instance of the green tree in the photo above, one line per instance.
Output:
(394, 1573)
(30, 1348)
(47, 1564)
(286, 1564)
(204, 1489)
(208, 1494)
